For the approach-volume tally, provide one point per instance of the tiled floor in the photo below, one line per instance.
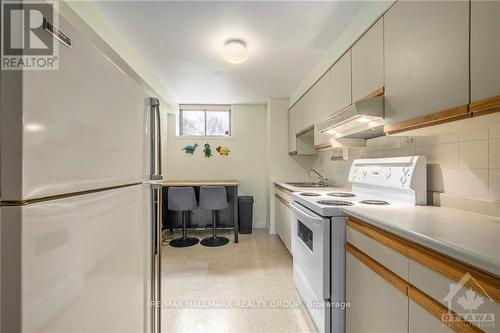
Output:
(245, 287)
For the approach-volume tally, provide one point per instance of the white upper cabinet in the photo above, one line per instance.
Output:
(322, 98)
(426, 58)
(368, 62)
(485, 49)
(308, 107)
(341, 83)
(300, 115)
(292, 143)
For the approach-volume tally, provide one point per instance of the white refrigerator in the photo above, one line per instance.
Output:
(79, 148)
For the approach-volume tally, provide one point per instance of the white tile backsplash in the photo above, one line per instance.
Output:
(494, 153)
(447, 155)
(425, 140)
(429, 151)
(446, 138)
(479, 134)
(494, 184)
(473, 183)
(494, 131)
(442, 179)
(464, 164)
(389, 142)
(473, 154)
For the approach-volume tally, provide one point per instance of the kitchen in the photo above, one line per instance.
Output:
(253, 166)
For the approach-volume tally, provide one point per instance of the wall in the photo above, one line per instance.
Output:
(282, 167)
(97, 28)
(247, 161)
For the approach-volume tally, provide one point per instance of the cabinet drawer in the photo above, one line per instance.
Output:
(360, 236)
(440, 288)
(283, 193)
(421, 321)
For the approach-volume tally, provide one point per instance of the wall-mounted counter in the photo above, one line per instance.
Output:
(202, 218)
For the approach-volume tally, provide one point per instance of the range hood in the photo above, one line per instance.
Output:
(360, 120)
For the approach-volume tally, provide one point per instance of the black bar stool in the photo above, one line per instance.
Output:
(182, 199)
(215, 199)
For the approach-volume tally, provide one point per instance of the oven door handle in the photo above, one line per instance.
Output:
(306, 213)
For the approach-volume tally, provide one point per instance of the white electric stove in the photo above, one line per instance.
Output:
(318, 242)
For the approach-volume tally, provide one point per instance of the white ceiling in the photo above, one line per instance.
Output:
(182, 42)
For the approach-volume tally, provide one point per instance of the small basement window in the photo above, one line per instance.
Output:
(204, 120)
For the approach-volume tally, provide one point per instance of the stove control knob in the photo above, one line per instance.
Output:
(365, 173)
(388, 174)
(406, 170)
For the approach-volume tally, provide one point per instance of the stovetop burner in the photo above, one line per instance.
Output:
(335, 203)
(374, 202)
(341, 194)
(310, 194)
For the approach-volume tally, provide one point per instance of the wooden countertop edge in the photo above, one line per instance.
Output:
(200, 183)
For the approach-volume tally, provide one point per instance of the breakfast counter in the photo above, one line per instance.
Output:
(169, 183)
(202, 218)
(473, 239)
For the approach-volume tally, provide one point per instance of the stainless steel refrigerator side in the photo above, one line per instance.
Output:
(156, 218)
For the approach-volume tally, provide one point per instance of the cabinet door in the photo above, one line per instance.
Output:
(292, 142)
(308, 106)
(341, 83)
(368, 62)
(375, 304)
(421, 321)
(426, 50)
(299, 116)
(283, 222)
(485, 49)
(321, 93)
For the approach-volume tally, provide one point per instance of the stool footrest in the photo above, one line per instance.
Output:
(184, 242)
(214, 241)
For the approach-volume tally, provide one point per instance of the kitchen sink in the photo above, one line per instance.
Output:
(305, 184)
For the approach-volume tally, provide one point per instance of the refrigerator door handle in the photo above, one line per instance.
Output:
(155, 139)
(156, 237)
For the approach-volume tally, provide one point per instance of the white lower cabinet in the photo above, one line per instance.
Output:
(283, 221)
(421, 321)
(375, 304)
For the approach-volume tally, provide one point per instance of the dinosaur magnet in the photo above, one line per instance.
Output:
(223, 150)
(190, 149)
(207, 150)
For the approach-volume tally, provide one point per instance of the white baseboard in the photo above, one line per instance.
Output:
(259, 225)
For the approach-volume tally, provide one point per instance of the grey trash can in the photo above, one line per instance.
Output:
(245, 214)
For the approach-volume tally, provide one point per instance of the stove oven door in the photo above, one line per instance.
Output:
(311, 263)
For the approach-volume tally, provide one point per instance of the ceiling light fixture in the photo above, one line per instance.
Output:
(235, 52)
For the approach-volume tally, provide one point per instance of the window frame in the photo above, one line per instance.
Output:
(205, 109)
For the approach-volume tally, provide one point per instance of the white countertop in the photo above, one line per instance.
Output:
(467, 237)
(309, 189)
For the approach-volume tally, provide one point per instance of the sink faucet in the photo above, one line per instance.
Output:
(323, 181)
